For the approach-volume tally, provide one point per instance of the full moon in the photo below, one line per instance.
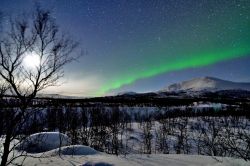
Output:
(31, 60)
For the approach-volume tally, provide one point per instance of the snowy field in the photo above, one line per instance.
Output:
(133, 160)
(101, 159)
(78, 155)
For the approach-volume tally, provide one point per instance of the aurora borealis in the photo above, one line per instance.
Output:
(146, 44)
(194, 61)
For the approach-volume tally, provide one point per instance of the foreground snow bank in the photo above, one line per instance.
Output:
(72, 150)
(44, 141)
(135, 160)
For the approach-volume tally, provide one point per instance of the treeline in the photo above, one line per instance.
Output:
(164, 99)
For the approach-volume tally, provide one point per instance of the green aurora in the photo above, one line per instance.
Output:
(200, 60)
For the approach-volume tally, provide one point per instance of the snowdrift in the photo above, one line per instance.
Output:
(73, 150)
(44, 141)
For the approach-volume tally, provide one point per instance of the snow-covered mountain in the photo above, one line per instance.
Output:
(126, 93)
(207, 83)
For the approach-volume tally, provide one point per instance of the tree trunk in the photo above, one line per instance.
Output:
(6, 150)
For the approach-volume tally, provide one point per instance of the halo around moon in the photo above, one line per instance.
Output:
(31, 60)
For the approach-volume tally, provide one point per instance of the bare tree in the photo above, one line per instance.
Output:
(147, 136)
(212, 137)
(182, 145)
(162, 136)
(3, 88)
(37, 36)
(237, 138)
(114, 127)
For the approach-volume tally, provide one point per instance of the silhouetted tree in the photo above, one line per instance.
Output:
(31, 36)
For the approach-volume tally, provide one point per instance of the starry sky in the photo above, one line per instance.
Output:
(145, 45)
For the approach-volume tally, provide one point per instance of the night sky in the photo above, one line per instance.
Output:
(145, 45)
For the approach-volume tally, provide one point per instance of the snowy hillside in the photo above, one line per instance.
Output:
(207, 83)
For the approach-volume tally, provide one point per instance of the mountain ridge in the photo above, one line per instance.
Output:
(206, 83)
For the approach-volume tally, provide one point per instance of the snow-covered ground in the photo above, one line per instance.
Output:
(133, 160)
(80, 155)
